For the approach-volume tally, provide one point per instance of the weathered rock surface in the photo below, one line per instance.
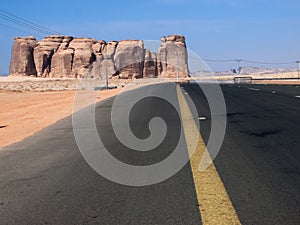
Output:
(62, 59)
(65, 56)
(150, 64)
(83, 55)
(173, 56)
(61, 64)
(104, 64)
(22, 62)
(43, 53)
(103, 67)
(129, 59)
(98, 47)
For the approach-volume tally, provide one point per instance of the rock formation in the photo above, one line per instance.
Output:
(65, 56)
(150, 64)
(62, 59)
(61, 64)
(104, 64)
(83, 55)
(173, 56)
(129, 59)
(22, 62)
(43, 53)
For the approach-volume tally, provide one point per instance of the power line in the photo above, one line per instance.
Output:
(218, 60)
(13, 28)
(28, 26)
(25, 23)
(271, 63)
(34, 24)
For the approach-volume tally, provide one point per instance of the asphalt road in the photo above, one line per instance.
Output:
(259, 162)
(45, 180)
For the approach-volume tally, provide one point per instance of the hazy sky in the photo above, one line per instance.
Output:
(259, 30)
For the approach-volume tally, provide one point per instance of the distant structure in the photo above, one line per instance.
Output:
(65, 56)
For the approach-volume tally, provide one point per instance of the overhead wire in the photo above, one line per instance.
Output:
(13, 28)
(25, 23)
(218, 60)
(270, 63)
(29, 22)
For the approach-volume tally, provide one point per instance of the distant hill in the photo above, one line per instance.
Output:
(248, 70)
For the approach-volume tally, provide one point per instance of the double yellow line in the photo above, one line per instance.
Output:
(214, 203)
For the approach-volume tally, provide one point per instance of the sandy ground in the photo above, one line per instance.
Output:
(24, 113)
(30, 104)
(27, 106)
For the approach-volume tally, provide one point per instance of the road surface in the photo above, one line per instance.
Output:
(45, 180)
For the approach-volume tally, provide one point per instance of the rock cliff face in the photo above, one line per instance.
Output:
(104, 64)
(22, 61)
(65, 56)
(129, 59)
(44, 52)
(150, 64)
(173, 55)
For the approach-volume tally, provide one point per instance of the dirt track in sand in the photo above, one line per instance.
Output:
(24, 113)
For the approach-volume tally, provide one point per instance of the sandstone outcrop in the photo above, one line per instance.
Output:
(104, 64)
(129, 59)
(65, 56)
(173, 56)
(83, 55)
(43, 53)
(62, 61)
(150, 64)
(22, 62)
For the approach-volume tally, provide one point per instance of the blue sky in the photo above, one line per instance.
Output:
(257, 30)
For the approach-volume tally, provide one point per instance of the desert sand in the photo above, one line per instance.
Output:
(30, 104)
(24, 113)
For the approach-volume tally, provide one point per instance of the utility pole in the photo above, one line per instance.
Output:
(177, 62)
(239, 66)
(106, 72)
(298, 62)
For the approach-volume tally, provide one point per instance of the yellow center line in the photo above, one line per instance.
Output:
(214, 203)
